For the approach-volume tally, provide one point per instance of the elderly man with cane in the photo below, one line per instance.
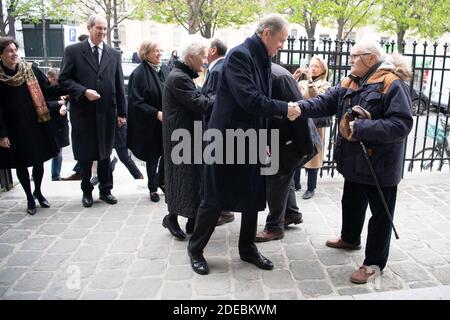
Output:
(374, 92)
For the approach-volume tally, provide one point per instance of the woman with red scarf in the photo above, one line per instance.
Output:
(25, 136)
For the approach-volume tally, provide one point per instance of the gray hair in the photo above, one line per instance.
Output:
(194, 47)
(92, 18)
(220, 46)
(145, 47)
(372, 46)
(274, 22)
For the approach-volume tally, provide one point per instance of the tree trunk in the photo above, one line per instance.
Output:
(207, 30)
(340, 33)
(310, 27)
(2, 21)
(194, 15)
(108, 31)
(44, 40)
(400, 39)
(108, 16)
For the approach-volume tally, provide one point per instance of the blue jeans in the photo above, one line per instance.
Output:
(56, 165)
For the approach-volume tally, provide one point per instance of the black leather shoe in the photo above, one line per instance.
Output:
(154, 197)
(190, 224)
(31, 207)
(293, 219)
(108, 198)
(41, 199)
(225, 217)
(174, 229)
(199, 264)
(87, 200)
(258, 260)
(308, 194)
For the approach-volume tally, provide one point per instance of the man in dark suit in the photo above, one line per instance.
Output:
(216, 55)
(242, 100)
(92, 75)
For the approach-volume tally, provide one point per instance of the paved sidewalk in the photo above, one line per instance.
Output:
(123, 252)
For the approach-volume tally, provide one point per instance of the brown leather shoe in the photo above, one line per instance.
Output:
(72, 177)
(267, 235)
(361, 275)
(341, 244)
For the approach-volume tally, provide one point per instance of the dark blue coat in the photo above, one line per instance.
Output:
(211, 82)
(242, 100)
(388, 100)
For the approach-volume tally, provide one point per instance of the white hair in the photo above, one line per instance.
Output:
(194, 46)
(274, 22)
(372, 46)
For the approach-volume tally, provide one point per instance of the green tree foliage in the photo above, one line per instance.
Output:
(126, 9)
(205, 15)
(427, 18)
(349, 14)
(306, 13)
(18, 9)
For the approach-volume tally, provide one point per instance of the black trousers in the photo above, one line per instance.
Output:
(355, 199)
(205, 224)
(125, 158)
(281, 201)
(155, 173)
(104, 173)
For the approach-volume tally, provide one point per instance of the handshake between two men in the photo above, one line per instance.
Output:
(293, 111)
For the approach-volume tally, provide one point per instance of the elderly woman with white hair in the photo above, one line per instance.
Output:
(183, 105)
(145, 115)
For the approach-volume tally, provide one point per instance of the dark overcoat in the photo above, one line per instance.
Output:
(183, 104)
(31, 142)
(210, 85)
(387, 98)
(145, 88)
(242, 101)
(299, 139)
(93, 122)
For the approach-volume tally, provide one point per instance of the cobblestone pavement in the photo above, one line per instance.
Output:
(123, 252)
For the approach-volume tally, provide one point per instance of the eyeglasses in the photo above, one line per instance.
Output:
(354, 56)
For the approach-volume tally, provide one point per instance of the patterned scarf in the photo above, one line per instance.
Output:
(25, 74)
(156, 67)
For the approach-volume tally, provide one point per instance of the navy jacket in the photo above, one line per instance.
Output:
(388, 100)
(211, 82)
(242, 100)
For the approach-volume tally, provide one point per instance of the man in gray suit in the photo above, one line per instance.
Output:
(92, 75)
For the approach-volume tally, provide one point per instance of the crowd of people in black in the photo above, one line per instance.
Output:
(242, 90)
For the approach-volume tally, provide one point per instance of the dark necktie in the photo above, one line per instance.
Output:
(95, 52)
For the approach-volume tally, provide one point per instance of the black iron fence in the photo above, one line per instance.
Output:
(427, 146)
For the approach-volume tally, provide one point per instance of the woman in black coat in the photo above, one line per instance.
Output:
(145, 115)
(25, 136)
(183, 104)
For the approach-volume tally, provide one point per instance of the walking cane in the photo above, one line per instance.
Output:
(388, 213)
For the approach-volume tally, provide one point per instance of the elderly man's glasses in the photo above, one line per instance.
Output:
(354, 56)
